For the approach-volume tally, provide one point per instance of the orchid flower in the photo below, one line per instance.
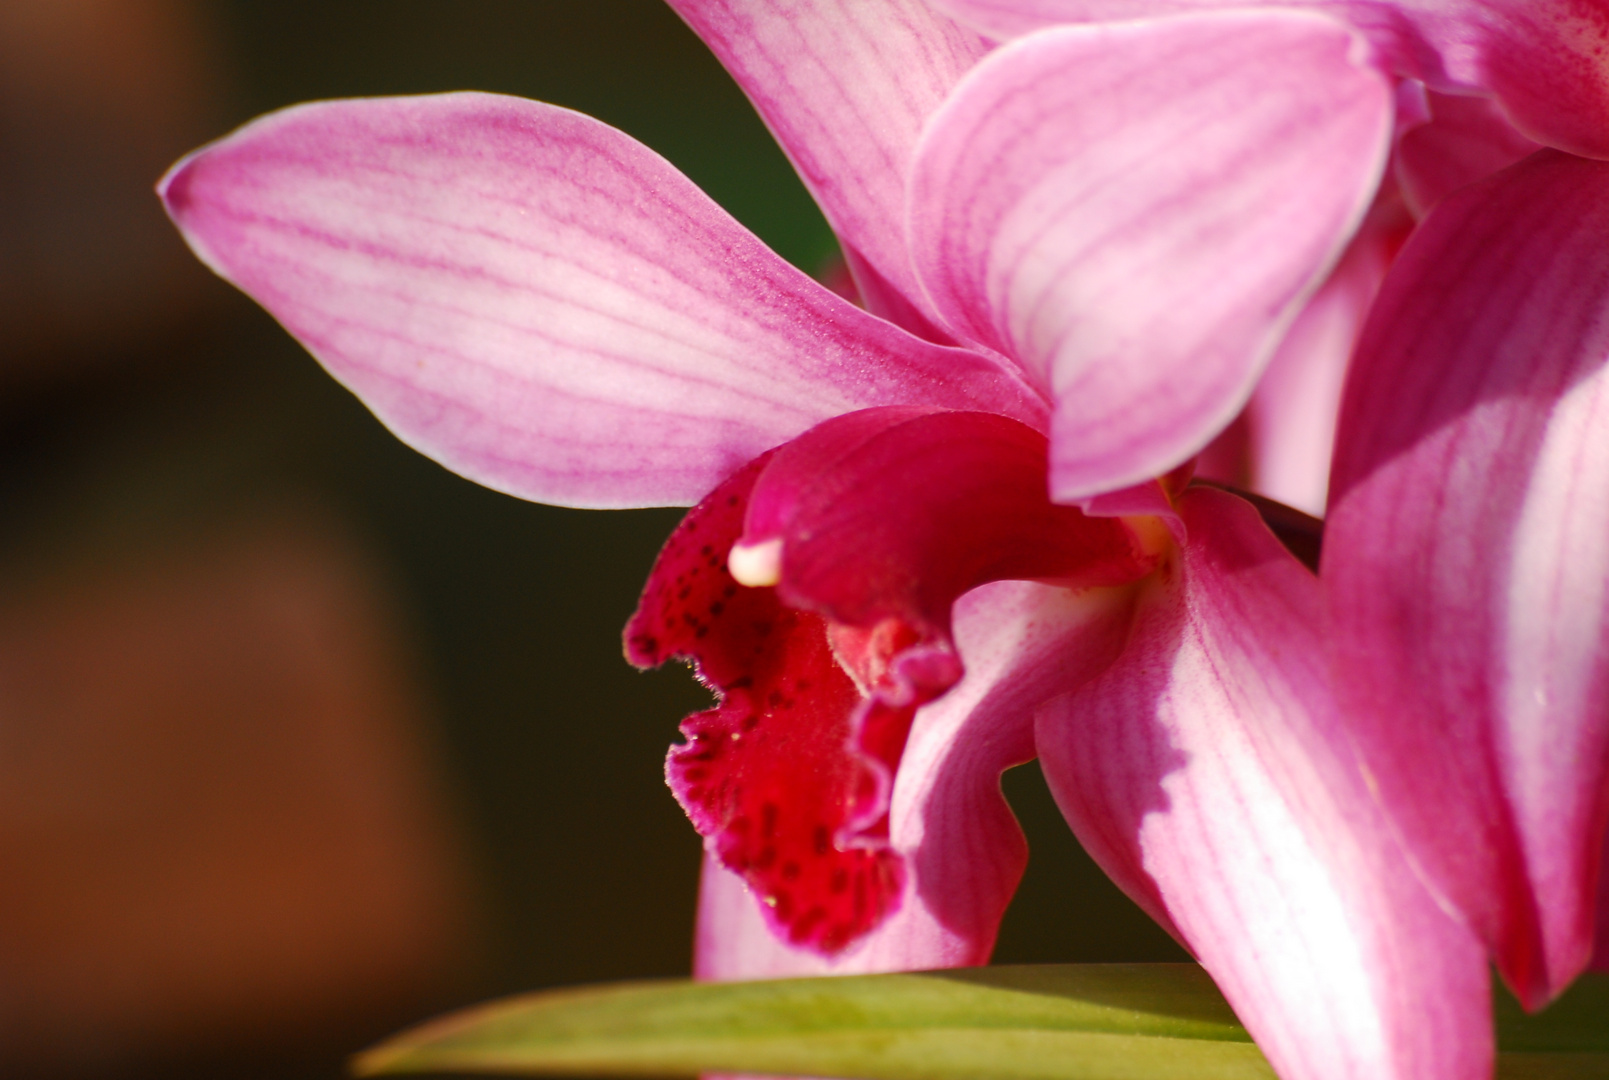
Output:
(1516, 721)
(1506, 828)
(913, 561)
(1529, 779)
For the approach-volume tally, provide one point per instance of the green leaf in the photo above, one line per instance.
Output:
(1053, 1022)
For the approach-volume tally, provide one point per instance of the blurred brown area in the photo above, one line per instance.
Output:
(218, 817)
(97, 97)
(224, 833)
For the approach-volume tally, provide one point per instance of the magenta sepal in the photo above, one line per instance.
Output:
(1466, 558)
(1209, 771)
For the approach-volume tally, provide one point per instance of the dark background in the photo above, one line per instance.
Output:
(151, 419)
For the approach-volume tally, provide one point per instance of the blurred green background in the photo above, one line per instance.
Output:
(193, 513)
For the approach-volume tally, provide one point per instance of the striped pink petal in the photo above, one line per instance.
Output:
(1209, 772)
(1541, 59)
(1467, 556)
(1136, 211)
(845, 86)
(541, 303)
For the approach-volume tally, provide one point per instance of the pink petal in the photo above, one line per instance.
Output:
(845, 85)
(1467, 555)
(1136, 211)
(1541, 59)
(1022, 643)
(1209, 773)
(539, 302)
(1293, 411)
(1467, 139)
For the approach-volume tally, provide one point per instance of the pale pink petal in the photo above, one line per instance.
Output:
(1541, 59)
(1467, 556)
(1466, 139)
(1208, 771)
(539, 302)
(1022, 643)
(845, 86)
(1292, 414)
(1136, 211)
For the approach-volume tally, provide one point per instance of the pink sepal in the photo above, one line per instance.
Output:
(541, 303)
(1209, 772)
(1467, 557)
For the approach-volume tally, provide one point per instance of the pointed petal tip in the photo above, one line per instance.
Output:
(173, 188)
(181, 201)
